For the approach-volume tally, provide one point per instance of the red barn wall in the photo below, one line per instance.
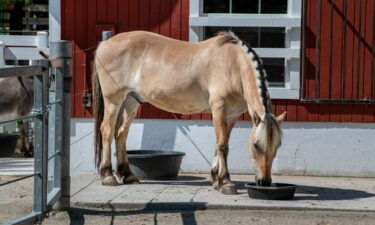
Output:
(84, 20)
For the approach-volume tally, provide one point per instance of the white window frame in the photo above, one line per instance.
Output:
(291, 21)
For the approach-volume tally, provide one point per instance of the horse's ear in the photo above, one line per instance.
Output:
(281, 117)
(256, 119)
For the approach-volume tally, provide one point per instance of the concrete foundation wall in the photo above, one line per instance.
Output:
(322, 149)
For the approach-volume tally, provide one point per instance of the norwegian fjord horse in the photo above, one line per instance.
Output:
(221, 75)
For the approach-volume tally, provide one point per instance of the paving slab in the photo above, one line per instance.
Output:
(195, 192)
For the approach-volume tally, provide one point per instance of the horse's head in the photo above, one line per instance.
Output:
(265, 139)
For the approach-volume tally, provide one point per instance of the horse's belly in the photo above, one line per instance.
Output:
(183, 103)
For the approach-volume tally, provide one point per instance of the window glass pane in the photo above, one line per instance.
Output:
(274, 6)
(275, 70)
(245, 6)
(271, 37)
(216, 6)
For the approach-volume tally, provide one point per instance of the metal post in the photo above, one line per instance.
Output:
(61, 56)
(2, 54)
(41, 141)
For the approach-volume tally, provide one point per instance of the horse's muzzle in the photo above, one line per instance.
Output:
(262, 182)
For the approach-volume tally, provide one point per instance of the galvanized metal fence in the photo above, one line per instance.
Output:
(51, 113)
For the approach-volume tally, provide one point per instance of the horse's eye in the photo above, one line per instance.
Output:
(256, 146)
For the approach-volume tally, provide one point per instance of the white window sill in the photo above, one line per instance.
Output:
(283, 93)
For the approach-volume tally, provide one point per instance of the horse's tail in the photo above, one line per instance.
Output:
(98, 111)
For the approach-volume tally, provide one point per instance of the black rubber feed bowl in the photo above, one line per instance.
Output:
(8, 144)
(155, 165)
(277, 191)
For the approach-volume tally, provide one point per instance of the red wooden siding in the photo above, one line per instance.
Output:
(84, 20)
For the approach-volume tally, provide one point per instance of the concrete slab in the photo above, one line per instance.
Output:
(195, 192)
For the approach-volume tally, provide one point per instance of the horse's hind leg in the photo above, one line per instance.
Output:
(223, 126)
(107, 129)
(125, 118)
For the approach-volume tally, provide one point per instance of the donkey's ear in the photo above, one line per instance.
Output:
(281, 117)
(256, 119)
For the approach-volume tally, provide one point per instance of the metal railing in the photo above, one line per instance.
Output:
(51, 113)
(333, 19)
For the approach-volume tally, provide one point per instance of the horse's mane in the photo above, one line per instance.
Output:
(228, 37)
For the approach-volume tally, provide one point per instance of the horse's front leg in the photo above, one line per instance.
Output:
(219, 171)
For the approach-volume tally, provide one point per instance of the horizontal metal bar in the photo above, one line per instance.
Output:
(21, 118)
(56, 153)
(332, 101)
(18, 179)
(53, 196)
(19, 71)
(24, 53)
(19, 40)
(27, 220)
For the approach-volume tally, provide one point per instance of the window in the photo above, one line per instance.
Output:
(271, 27)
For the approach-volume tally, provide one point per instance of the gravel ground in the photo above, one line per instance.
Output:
(210, 217)
(16, 199)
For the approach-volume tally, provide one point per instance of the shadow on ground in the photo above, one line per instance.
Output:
(303, 192)
(77, 215)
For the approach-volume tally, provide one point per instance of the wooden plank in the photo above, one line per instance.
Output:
(281, 106)
(79, 70)
(133, 15)
(313, 114)
(337, 39)
(176, 19)
(112, 11)
(362, 49)
(335, 113)
(123, 15)
(185, 20)
(357, 115)
(349, 66)
(155, 16)
(346, 113)
(355, 50)
(337, 60)
(368, 113)
(324, 111)
(325, 50)
(144, 15)
(101, 11)
(310, 63)
(165, 18)
(302, 113)
(368, 49)
(291, 108)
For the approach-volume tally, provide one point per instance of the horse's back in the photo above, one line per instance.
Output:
(171, 74)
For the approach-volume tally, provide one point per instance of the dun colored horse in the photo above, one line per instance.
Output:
(222, 75)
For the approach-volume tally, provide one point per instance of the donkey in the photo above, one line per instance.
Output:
(222, 75)
(17, 99)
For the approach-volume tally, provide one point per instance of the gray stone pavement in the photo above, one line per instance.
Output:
(195, 192)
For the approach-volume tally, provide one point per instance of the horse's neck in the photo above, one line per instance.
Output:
(253, 98)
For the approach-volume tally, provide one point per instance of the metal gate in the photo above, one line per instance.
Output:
(51, 113)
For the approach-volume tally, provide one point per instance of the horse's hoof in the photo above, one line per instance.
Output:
(216, 186)
(228, 189)
(109, 181)
(131, 179)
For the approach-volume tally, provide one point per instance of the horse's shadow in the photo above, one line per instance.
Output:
(303, 192)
